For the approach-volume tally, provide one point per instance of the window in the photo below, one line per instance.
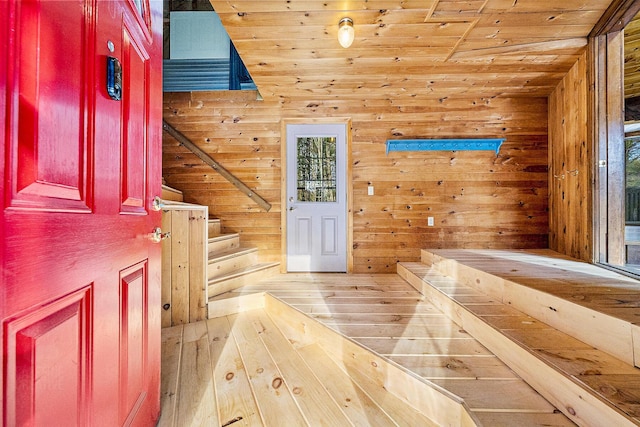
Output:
(316, 169)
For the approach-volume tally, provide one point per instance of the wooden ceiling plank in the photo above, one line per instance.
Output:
(365, 46)
(542, 18)
(545, 46)
(323, 18)
(551, 5)
(534, 32)
(281, 6)
(425, 30)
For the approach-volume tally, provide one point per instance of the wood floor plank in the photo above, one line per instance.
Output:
(375, 318)
(355, 402)
(276, 404)
(545, 339)
(497, 395)
(341, 295)
(444, 346)
(505, 419)
(622, 390)
(515, 322)
(414, 310)
(235, 400)
(196, 403)
(352, 300)
(443, 330)
(468, 367)
(580, 362)
(170, 374)
(281, 285)
(276, 287)
(316, 404)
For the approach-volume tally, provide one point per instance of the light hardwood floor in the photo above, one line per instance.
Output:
(273, 364)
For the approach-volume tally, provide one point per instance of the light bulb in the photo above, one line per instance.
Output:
(346, 33)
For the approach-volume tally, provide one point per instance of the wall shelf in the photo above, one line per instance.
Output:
(492, 144)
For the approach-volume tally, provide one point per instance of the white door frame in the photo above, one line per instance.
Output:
(283, 183)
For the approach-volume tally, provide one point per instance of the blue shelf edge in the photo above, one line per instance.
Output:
(444, 144)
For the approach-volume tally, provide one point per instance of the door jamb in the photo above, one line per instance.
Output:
(607, 99)
(283, 183)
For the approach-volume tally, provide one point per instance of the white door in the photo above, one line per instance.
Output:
(316, 198)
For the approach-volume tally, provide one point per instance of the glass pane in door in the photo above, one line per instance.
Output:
(632, 199)
(316, 157)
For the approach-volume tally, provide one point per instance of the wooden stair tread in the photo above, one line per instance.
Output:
(171, 194)
(223, 237)
(221, 256)
(244, 271)
(584, 382)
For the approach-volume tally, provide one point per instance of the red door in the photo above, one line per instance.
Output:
(80, 285)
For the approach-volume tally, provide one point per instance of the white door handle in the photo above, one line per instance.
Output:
(158, 236)
(157, 204)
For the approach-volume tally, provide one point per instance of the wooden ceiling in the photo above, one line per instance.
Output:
(632, 58)
(408, 49)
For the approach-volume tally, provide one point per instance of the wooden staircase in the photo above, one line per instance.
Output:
(199, 262)
(540, 303)
(231, 265)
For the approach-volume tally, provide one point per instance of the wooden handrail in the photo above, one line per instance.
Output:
(186, 142)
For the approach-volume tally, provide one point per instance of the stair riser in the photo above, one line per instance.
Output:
(244, 280)
(220, 268)
(213, 227)
(223, 245)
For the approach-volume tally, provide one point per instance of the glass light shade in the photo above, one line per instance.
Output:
(346, 33)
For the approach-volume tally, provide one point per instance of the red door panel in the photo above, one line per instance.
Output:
(49, 101)
(79, 279)
(135, 60)
(133, 339)
(47, 355)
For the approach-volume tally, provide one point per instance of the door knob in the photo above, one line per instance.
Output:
(158, 236)
(291, 208)
(157, 203)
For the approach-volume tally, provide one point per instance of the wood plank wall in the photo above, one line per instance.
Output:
(570, 175)
(477, 199)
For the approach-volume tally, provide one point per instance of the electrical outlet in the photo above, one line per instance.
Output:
(370, 190)
(430, 221)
